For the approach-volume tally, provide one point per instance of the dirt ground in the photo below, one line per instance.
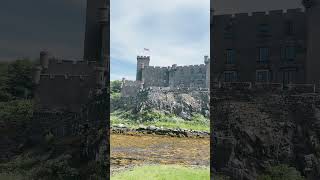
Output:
(128, 151)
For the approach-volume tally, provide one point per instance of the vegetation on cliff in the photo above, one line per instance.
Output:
(159, 119)
(281, 172)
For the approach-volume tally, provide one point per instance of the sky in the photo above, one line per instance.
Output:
(175, 32)
(27, 27)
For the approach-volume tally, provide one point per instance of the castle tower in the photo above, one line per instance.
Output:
(313, 41)
(207, 63)
(142, 62)
(44, 60)
(105, 36)
(96, 35)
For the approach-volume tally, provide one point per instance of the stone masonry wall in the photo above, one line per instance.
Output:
(189, 76)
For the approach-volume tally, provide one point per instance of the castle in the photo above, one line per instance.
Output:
(193, 76)
(67, 85)
(279, 46)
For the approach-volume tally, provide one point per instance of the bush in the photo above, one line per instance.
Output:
(17, 110)
(199, 118)
(281, 172)
(115, 86)
(11, 176)
(148, 116)
(55, 169)
(19, 78)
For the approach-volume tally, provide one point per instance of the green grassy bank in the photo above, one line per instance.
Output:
(163, 172)
(197, 122)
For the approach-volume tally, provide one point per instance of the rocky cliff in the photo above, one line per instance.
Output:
(179, 102)
(254, 131)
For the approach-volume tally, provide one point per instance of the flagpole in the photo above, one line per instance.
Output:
(145, 50)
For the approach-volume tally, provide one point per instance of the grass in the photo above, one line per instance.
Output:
(198, 122)
(6, 176)
(164, 172)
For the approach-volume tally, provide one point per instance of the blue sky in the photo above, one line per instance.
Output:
(175, 31)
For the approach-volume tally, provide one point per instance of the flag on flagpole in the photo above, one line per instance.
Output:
(146, 49)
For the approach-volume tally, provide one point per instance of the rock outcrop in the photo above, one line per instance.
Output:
(253, 131)
(181, 102)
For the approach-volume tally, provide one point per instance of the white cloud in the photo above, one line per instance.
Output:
(163, 26)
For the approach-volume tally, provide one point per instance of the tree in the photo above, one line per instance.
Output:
(115, 86)
(19, 78)
(4, 88)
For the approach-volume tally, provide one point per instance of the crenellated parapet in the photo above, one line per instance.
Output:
(67, 77)
(171, 76)
(281, 12)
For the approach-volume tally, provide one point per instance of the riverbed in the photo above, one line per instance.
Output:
(128, 151)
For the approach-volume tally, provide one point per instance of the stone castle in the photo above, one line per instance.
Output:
(278, 46)
(193, 76)
(67, 85)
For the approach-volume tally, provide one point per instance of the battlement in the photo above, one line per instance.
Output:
(63, 76)
(157, 67)
(282, 12)
(197, 66)
(143, 57)
(171, 76)
(68, 61)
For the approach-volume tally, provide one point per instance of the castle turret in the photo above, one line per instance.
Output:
(36, 76)
(207, 63)
(206, 60)
(313, 41)
(44, 59)
(142, 62)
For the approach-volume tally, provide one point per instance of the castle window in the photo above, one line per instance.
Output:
(288, 28)
(262, 75)
(228, 31)
(230, 56)
(288, 53)
(263, 31)
(264, 28)
(230, 76)
(263, 54)
(288, 76)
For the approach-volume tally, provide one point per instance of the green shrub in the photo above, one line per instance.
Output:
(19, 78)
(115, 96)
(17, 110)
(55, 169)
(281, 172)
(115, 86)
(148, 116)
(11, 176)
